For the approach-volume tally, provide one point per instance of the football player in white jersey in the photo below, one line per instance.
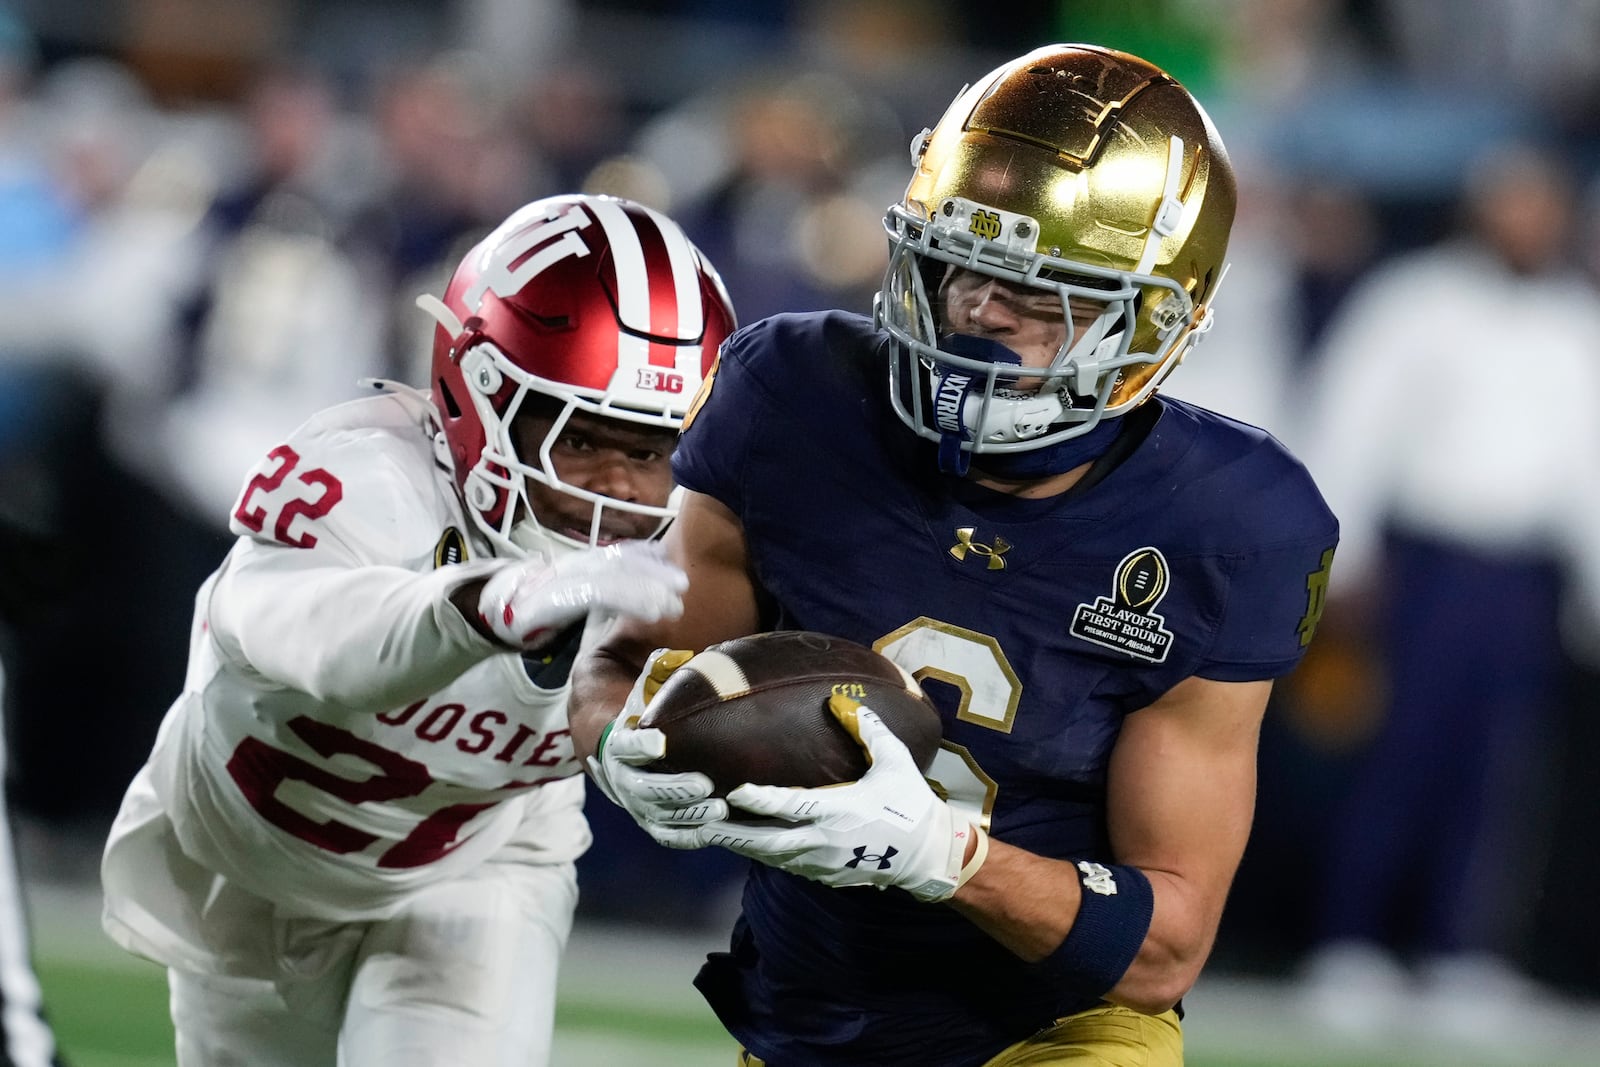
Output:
(353, 842)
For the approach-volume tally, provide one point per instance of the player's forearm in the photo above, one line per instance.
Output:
(465, 598)
(1029, 904)
(1024, 901)
(601, 681)
(363, 637)
(1182, 931)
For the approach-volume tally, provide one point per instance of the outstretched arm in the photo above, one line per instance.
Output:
(707, 541)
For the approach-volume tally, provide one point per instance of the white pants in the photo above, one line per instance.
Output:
(465, 975)
(25, 1038)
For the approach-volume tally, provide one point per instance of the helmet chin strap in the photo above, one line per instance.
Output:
(1058, 458)
(956, 391)
(958, 400)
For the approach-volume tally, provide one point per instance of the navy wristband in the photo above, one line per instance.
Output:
(1112, 922)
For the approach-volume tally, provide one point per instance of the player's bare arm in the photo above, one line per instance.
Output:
(708, 542)
(1181, 793)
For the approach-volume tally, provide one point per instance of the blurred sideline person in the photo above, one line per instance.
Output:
(1452, 408)
(282, 315)
(26, 1038)
(1095, 583)
(354, 840)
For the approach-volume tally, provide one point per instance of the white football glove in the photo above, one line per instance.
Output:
(885, 829)
(660, 802)
(527, 603)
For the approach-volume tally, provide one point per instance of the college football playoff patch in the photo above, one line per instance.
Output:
(1126, 620)
(452, 548)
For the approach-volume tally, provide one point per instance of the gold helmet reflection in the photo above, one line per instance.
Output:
(1077, 170)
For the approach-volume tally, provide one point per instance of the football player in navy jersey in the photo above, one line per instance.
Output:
(1096, 584)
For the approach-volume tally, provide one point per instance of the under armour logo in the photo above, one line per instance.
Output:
(965, 543)
(1097, 879)
(880, 858)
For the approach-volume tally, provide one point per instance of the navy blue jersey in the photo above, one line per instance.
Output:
(1035, 625)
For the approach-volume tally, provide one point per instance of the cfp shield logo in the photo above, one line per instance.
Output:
(452, 548)
(1126, 621)
(994, 553)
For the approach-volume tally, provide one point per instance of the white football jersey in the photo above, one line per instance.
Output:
(344, 737)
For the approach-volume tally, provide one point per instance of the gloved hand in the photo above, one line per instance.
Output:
(527, 603)
(885, 829)
(660, 802)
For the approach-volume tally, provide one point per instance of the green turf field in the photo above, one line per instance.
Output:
(113, 1013)
(116, 1016)
(108, 1016)
(626, 998)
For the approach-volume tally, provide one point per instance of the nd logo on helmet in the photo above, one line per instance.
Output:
(985, 224)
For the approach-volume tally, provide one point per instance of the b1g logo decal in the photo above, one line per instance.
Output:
(660, 381)
(1126, 620)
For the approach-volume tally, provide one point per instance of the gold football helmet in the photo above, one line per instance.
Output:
(1075, 171)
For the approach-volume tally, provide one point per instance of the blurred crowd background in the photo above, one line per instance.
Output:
(215, 215)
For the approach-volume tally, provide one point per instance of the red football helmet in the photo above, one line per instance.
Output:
(596, 301)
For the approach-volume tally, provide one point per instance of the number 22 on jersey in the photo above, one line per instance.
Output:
(326, 491)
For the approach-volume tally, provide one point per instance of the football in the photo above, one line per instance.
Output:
(755, 709)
